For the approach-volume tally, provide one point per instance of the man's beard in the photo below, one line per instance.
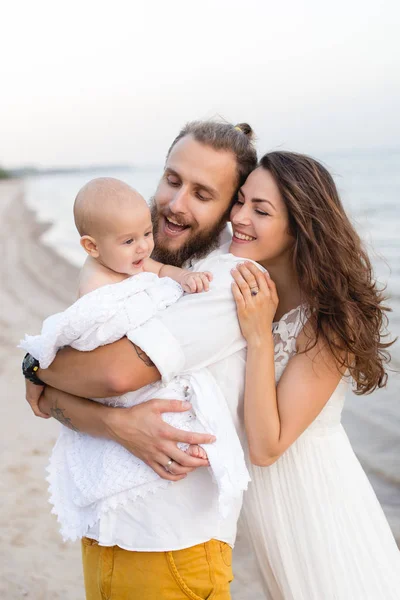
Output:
(197, 246)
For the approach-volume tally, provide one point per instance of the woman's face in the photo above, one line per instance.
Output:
(260, 221)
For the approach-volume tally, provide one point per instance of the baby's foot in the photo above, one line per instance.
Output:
(197, 451)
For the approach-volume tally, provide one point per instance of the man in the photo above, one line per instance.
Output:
(173, 544)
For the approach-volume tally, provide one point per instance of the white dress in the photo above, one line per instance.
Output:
(312, 518)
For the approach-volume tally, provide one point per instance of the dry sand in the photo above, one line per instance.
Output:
(34, 562)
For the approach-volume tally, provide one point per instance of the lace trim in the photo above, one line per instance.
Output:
(285, 332)
(286, 316)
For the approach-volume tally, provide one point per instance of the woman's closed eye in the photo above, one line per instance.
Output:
(256, 210)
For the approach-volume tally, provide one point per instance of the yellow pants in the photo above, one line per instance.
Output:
(200, 572)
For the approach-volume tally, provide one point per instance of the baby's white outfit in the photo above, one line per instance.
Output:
(89, 476)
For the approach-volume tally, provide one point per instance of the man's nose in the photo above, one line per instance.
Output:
(179, 202)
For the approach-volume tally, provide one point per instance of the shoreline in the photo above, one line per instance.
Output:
(36, 282)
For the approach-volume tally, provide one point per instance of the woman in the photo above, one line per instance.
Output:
(312, 322)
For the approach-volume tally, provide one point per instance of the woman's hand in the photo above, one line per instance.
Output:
(256, 302)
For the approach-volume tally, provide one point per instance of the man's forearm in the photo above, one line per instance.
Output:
(140, 429)
(78, 414)
(102, 372)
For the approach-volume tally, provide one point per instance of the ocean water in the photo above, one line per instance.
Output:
(369, 183)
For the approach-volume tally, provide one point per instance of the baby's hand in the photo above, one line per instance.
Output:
(193, 283)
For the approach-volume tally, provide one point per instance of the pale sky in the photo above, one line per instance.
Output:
(106, 82)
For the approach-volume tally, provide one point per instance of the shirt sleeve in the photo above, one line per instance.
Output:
(199, 329)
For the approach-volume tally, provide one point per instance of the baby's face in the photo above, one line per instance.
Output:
(129, 240)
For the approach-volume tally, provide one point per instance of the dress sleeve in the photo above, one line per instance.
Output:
(199, 329)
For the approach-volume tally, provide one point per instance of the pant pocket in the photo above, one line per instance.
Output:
(226, 553)
(193, 572)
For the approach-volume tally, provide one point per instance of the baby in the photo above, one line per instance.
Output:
(116, 231)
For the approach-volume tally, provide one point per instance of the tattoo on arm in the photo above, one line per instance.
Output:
(58, 413)
(143, 356)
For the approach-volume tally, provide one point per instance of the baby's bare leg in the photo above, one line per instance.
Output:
(196, 451)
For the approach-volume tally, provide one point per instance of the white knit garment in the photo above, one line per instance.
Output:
(89, 476)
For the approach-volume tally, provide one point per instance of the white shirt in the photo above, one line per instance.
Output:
(200, 331)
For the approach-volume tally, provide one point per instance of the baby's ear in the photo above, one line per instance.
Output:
(89, 244)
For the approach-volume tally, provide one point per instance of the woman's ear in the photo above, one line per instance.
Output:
(89, 244)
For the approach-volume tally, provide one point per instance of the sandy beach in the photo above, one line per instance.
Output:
(35, 563)
(36, 282)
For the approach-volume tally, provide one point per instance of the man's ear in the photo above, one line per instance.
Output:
(89, 244)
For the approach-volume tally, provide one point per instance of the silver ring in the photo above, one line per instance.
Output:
(169, 463)
(254, 291)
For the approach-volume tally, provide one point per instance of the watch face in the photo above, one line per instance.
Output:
(29, 362)
(29, 368)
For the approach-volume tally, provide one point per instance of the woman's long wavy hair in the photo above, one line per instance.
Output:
(334, 270)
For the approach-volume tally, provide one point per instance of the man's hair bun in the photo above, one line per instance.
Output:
(246, 129)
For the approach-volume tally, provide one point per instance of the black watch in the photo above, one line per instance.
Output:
(29, 367)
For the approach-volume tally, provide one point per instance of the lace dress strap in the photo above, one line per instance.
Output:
(285, 332)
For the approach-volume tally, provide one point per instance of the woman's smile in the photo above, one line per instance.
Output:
(240, 237)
